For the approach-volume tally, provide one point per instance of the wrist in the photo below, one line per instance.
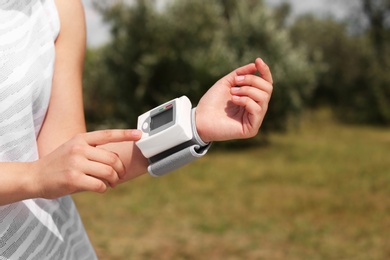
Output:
(18, 184)
(198, 135)
(33, 181)
(199, 127)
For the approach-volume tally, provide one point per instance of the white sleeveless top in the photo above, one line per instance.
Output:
(36, 228)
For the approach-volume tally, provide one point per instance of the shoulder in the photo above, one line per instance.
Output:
(72, 17)
(71, 41)
(69, 8)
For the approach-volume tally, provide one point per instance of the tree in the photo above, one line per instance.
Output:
(377, 13)
(156, 55)
(353, 77)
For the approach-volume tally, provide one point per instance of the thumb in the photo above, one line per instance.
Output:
(264, 70)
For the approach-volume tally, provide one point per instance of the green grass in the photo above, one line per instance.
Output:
(319, 192)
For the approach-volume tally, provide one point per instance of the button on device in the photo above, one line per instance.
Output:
(145, 126)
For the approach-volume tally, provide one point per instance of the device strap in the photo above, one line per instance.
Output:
(180, 155)
(176, 160)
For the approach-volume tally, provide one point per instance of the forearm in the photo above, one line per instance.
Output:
(133, 160)
(16, 182)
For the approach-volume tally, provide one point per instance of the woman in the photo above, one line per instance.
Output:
(45, 152)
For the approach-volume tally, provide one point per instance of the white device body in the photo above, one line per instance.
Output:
(165, 126)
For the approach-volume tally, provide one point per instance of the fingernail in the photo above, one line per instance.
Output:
(240, 78)
(236, 97)
(136, 133)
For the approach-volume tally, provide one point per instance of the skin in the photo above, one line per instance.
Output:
(71, 160)
(228, 112)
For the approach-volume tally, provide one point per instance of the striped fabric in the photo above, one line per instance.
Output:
(37, 228)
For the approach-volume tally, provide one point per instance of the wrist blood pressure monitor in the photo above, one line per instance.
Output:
(169, 136)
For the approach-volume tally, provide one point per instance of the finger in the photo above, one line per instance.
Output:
(254, 81)
(90, 183)
(111, 136)
(246, 69)
(255, 94)
(255, 113)
(101, 171)
(254, 103)
(106, 157)
(264, 70)
(251, 106)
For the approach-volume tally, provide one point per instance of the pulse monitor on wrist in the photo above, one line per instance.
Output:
(170, 139)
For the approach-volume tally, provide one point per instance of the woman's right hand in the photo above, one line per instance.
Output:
(80, 165)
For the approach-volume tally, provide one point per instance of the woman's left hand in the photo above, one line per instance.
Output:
(235, 106)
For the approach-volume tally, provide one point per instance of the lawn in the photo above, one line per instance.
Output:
(321, 191)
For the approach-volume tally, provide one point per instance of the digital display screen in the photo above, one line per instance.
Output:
(161, 119)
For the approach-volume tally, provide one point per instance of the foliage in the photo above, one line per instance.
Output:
(353, 78)
(182, 49)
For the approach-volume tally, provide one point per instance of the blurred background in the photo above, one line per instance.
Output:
(314, 184)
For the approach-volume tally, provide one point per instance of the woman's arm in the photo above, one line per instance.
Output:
(65, 117)
(17, 180)
(76, 165)
(235, 106)
(70, 159)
